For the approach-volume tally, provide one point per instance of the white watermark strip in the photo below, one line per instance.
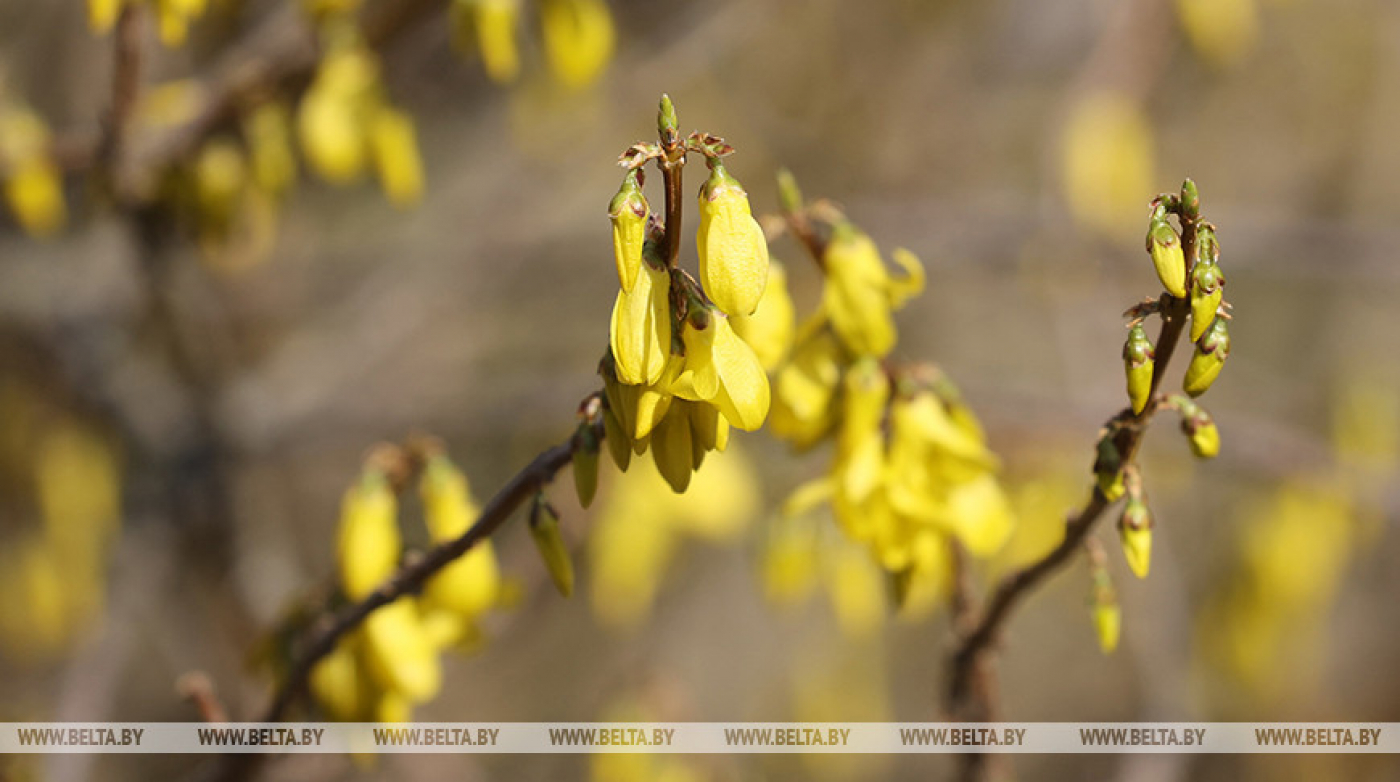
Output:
(699, 737)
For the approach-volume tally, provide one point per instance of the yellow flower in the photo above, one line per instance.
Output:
(733, 252)
(672, 447)
(1221, 31)
(340, 687)
(857, 293)
(629, 212)
(769, 329)
(641, 328)
(220, 173)
(723, 370)
(496, 21)
(578, 39)
(860, 459)
(1108, 625)
(981, 514)
(399, 653)
(803, 409)
(394, 144)
(369, 542)
(331, 117)
(33, 184)
(102, 14)
(471, 584)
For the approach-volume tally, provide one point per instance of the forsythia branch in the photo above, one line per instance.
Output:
(970, 668)
(413, 575)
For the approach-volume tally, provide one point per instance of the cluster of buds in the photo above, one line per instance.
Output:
(33, 184)
(1188, 265)
(577, 37)
(912, 468)
(391, 662)
(678, 374)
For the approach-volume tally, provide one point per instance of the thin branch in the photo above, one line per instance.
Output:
(971, 655)
(410, 578)
(126, 84)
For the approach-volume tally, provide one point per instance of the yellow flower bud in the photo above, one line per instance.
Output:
(496, 21)
(34, 191)
(733, 252)
(1198, 427)
(856, 296)
(769, 329)
(1207, 289)
(1108, 625)
(544, 530)
(369, 542)
(399, 654)
(1135, 531)
(1167, 257)
(1138, 362)
(629, 212)
(861, 446)
(1211, 352)
(578, 39)
(641, 328)
(1205, 441)
(724, 371)
(332, 114)
(709, 431)
(394, 144)
(802, 407)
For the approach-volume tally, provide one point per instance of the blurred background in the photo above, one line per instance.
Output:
(192, 368)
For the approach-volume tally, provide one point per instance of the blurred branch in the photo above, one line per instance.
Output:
(407, 580)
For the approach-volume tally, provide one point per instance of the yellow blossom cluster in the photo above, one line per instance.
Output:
(677, 374)
(391, 662)
(911, 468)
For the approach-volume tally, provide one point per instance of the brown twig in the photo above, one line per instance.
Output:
(971, 663)
(197, 688)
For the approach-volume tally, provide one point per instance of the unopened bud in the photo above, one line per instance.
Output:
(1108, 617)
(544, 530)
(1207, 288)
(586, 463)
(1211, 351)
(1108, 469)
(789, 195)
(619, 444)
(1135, 531)
(666, 123)
(1168, 257)
(1138, 363)
(1199, 428)
(629, 212)
(1190, 200)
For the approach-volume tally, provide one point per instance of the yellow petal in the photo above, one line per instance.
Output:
(744, 394)
(641, 328)
(769, 329)
(369, 541)
(733, 252)
(399, 654)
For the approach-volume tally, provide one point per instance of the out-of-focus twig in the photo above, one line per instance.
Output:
(197, 688)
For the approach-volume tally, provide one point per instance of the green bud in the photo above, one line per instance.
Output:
(544, 530)
(586, 463)
(1108, 618)
(1108, 469)
(1198, 426)
(1168, 257)
(1135, 532)
(1138, 363)
(1211, 351)
(1207, 288)
(666, 122)
(1190, 200)
(789, 196)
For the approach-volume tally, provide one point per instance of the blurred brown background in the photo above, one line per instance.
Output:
(479, 316)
